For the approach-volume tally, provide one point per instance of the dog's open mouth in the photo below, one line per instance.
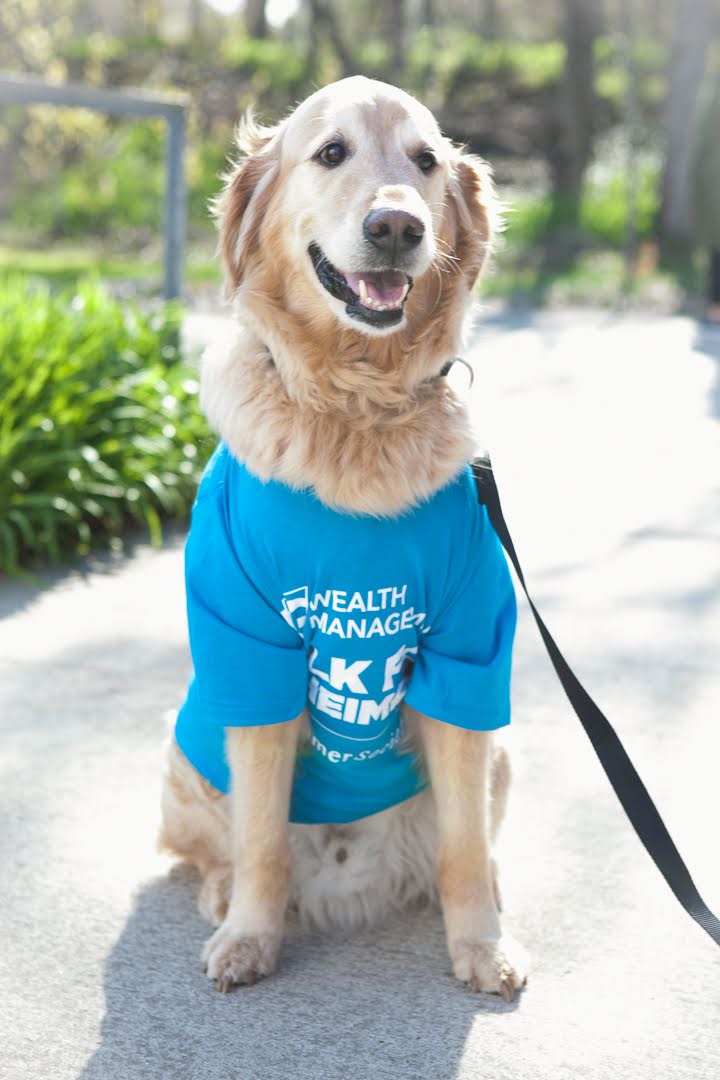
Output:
(376, 297)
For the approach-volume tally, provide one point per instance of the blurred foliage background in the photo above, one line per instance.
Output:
(588, 111)
(100, 427)
(584, 108)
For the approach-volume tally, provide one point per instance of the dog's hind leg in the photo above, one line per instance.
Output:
(196, 827)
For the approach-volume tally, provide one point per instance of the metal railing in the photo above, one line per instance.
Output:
(23, 89)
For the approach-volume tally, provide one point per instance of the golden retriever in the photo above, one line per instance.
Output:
(332, 383)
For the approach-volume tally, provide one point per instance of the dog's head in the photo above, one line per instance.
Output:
(356, 210)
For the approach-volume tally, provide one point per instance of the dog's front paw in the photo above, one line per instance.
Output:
(232, 958)
(497, 967)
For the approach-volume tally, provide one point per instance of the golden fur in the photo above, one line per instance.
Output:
(305, 395)
(357, 417)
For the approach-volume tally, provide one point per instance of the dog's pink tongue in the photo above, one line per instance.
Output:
(382, 286)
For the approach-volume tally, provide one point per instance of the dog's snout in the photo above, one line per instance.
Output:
(393, 231)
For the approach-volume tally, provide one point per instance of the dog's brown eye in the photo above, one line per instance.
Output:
(426, 161)
(332, 154)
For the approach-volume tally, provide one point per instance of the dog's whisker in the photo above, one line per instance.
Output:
(445, 263)
(441, 241)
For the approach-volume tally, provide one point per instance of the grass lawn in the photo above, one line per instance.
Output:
(64, 264)
(596, 276)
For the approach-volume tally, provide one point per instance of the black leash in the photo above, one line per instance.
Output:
(620, 770)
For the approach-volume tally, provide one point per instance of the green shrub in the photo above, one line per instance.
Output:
(274, 64)
(453, 57)
(531, 219)
(527, 220)
(112, 183)
(604, 207)
(115, 184)
(99, 421)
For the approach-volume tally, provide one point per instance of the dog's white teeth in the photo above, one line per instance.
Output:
(375, 303)
(372, 302)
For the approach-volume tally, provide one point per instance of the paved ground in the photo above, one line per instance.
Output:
(606, 439)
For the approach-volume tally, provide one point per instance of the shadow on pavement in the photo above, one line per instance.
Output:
(19, 593)
(381, 1003)
(707, 341)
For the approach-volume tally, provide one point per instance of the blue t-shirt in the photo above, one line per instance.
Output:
(294, 605)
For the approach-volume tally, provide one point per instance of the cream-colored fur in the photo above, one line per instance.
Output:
(342, 875)
(306, 394)
(367, 455)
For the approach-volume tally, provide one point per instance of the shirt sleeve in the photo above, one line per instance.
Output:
(462, 671)
(250, 665)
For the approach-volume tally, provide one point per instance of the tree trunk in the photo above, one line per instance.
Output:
(490, 19)
(428, 13)
(571, 135)
(323, 20)
(112, 17)
(396, 35)
(255, 18)
(688, 58)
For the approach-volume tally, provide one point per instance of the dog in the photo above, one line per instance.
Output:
(351, 613)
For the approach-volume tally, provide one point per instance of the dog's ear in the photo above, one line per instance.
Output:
(248, 189)
(477, 213)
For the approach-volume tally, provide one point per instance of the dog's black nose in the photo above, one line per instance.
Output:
(393, 231)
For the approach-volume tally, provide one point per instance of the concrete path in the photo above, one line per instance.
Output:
(605, 434)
